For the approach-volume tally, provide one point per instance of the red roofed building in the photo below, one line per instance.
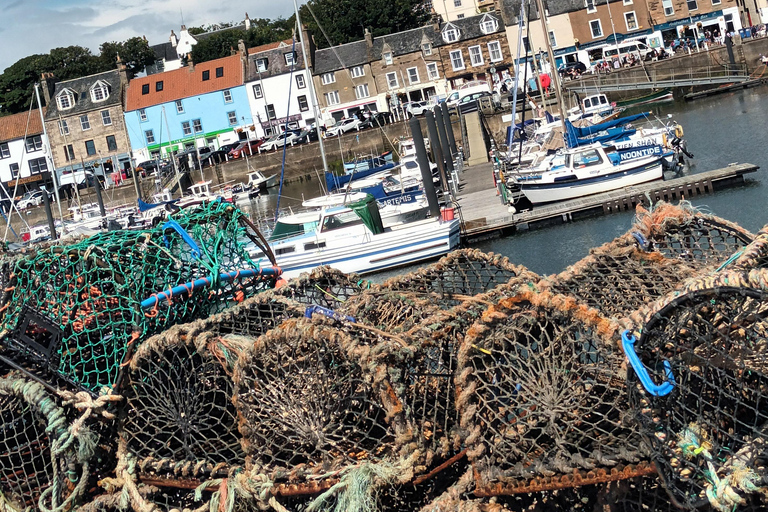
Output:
(198, 105)
(24, 152)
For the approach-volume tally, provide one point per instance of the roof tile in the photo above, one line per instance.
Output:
(184, 83)
(14, 127)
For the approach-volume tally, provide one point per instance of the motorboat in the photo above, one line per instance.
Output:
(258, 182)
(364, 164)
(593, 169)
(595, 107)
(356, 238)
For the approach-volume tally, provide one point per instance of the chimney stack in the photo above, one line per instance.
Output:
(190, 63)
(49, 83)
(247, 22)
(368, 38)
(122, 70)
(174, 40)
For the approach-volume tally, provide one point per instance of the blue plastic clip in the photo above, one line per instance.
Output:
(628, 342)
(184, 235)
(641, 241)
(311, 310)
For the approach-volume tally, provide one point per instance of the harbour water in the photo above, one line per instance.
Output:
(720, 130)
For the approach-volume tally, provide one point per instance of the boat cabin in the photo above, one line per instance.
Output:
(201, 189)
(595, 103)
(163, 197)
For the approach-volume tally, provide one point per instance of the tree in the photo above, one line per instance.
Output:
(73, 62)
(265, 31)
(216, 45)
(196, 30)
(135, 53)
(344, 21)
(17, 83)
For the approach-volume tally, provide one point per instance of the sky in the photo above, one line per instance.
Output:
(29, 27)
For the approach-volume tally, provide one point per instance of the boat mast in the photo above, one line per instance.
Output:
(312, 93)
(552, 69)
(173, 157)
(50, 157)
(517, 79)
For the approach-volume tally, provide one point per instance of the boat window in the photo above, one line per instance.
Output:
(284, 230)
(587, 103)
(586, 159)
(603, 100)
(312, 246)
(285, 250)
(341, 220)
(411, 165)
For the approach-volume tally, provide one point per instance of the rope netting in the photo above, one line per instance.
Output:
(390, 312)
(79, 308)
(459, 275)
(685, 233)
(542, 397)
(179, 421)
(324, 286)
(618, 278)
(755, 255)
(315, 402)
(700, 387)
(44, 458)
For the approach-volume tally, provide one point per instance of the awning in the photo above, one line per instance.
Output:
(368, 101)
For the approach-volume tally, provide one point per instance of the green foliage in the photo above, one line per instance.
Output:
(221, 44)
(196, 30)
(134, 52)
(217, 45)
(345, 20)
(17, 83)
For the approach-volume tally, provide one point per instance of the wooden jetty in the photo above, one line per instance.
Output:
(727, 88)
(486, 217)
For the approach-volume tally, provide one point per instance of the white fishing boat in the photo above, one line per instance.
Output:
(258, 182)
(593, 169)
(355, 238)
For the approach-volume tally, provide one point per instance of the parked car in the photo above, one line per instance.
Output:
(416, 108)
(572, 68)
(278, 141)
(343, 126)
(306, 135)
(469, 103)
(242, 149)
(30, 199)
(374, 120)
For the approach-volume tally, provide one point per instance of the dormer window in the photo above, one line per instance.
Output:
(387, 58)
(290, 58)
(427, 49)
(99, 91)
(489, 24)
(262, 65)
(450, 33)
(65, 99)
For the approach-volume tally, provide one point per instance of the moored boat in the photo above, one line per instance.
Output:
(355, 238)
(594, 169)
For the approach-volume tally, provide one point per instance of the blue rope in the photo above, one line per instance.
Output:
(285, 127)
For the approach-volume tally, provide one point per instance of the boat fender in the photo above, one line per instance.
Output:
(311, 310)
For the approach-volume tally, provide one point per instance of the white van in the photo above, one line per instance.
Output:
(465, 90)
(622, 50)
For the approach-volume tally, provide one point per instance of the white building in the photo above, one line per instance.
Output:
(278, 84)
(452, 10)
(27, 159)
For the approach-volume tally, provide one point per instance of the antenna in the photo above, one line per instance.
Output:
(181, 13)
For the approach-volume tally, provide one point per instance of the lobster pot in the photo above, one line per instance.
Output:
(324, 286)
(313, 400)
(179, 405)
(428, 389)
(390, 312)
(77, 309)
(541, 394)
(704, 408)
(755, 255)
(618, 278)
(457, 276)
(681, 232)
(33, 424)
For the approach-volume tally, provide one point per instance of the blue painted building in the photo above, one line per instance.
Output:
(198, 105)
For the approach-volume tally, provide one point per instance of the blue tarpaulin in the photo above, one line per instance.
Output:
(588, 134)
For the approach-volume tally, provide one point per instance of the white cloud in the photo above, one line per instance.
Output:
(36, 26)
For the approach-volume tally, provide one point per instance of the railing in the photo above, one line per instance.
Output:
(658, 78)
